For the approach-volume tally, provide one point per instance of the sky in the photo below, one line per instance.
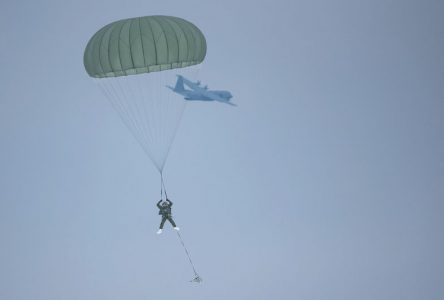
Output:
(325, 182)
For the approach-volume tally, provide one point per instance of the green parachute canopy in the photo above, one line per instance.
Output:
(143, 45)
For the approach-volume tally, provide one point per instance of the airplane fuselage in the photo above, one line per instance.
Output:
(195, 92)
(208, 96)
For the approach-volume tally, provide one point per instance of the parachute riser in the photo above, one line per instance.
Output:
(162, 188)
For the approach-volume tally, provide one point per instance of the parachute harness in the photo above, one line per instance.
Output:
(196, 278)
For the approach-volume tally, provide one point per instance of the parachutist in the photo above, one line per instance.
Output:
(149, 53)
(165, 212)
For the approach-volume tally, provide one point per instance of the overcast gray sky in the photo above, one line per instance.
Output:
(326, 182)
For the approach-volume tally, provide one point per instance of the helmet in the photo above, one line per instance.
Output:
(165, 203)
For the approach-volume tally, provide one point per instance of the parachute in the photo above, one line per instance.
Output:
(132, 61)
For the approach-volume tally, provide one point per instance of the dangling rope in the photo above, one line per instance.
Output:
(196, 278)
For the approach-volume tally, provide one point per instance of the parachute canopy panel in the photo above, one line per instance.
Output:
(143, 45)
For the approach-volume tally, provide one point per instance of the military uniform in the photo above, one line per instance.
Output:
(165, 212)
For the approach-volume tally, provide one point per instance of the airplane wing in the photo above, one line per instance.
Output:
(192, 85)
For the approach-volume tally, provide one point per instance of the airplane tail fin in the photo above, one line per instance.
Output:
(179, 87)
(179, 84)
